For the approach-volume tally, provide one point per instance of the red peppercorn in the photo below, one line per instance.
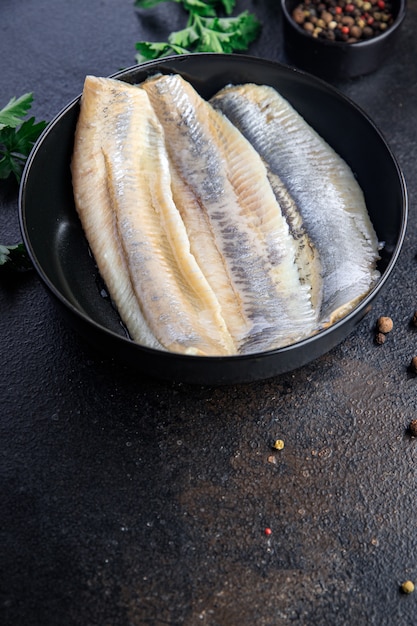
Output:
(268, 532)
(381, 4)
(338, 10)
(349, 8)
(345, 30)
(370, 21)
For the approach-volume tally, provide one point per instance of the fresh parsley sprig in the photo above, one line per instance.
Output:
(209, 28)
(14, 258)
(17, 135)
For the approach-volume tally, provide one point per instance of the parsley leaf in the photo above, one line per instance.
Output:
(17, 136)
(11, 115)
(149, 4)
(149, 50)
(14, 258)
(206, 30)
(15, 145)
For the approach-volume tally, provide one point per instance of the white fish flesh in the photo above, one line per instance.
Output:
(94, 203)
(327, 195)
(122, 192)
(211, 236)
(236, 228)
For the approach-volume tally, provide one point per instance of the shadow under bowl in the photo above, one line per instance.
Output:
(57, 246)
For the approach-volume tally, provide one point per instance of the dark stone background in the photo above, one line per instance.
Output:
(127, 501)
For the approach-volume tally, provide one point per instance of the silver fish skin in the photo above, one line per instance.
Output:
(327, 195)
(231, 194)
(95, 209)
(307, 257)
(122, 190)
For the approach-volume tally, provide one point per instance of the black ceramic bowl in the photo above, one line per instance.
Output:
(338, 60)
(59, 251)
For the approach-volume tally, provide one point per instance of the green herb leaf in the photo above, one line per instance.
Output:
(208, 7)
(14, 258)
(206, 30)
(149, 4)
(16, 143)
(149, 50)
(11, 115)
(235, 33)
(185, 38)
(228, 6)
(200, 7)
(11, 165)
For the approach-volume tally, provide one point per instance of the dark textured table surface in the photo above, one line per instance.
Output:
(126, 501)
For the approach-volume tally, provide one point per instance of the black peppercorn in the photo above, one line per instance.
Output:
(413, 365)
(412, 428)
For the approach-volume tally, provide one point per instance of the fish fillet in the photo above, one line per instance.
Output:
(95, 208)
(322, 185)
(122, 192)
(237, 231)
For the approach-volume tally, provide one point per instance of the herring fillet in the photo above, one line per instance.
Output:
(323, 186)
(94, 207)
(231, 194)
(173, 303)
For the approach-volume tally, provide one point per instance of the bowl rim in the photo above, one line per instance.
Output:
(363, 305)
(344, 45)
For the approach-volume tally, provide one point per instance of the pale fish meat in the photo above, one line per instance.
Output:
(122, 192)
(236, 228)
(326, 193)
(94, 204)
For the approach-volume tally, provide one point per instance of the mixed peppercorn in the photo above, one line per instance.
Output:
(384, 325)
(347, 21)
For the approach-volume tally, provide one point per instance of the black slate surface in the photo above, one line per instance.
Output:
(126, 501)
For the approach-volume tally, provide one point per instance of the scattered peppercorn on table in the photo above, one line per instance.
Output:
(129, 501)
